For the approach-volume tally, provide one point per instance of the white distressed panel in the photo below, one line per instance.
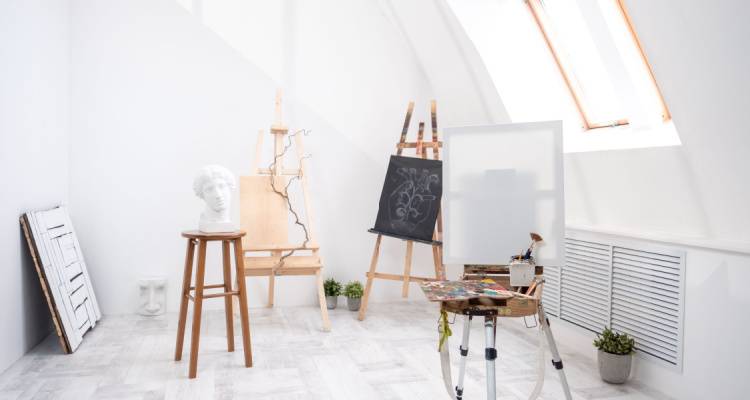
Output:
(92, 306)
(73, 270)
(53, 218)
(65, 271)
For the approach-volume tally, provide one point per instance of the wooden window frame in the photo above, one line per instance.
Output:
(536, 9)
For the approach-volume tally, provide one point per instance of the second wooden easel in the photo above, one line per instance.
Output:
(265, 212)
(420, 147)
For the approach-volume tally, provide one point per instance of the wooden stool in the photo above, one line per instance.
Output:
(201, 239)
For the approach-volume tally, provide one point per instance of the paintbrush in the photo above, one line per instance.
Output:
(535, 238)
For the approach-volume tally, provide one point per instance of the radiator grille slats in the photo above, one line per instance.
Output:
(637, 289)
(584, 284)
(656, 279)
(551, 292)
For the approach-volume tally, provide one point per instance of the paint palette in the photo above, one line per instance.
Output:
(464, 290)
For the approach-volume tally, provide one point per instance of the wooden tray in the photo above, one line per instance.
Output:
(521, 305)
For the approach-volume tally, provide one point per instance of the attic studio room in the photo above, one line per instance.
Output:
(374, 199)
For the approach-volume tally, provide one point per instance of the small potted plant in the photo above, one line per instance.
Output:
(615, 355)
(353, 292)
(332, 289)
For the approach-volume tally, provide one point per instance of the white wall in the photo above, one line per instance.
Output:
(696, 193)
(159, 90)
(34, 88)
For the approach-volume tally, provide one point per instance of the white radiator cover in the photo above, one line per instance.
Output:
(628, 285)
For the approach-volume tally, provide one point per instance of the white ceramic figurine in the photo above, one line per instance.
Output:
(214, 184)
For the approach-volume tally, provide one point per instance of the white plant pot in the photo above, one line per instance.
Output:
(614, 368)
(353, 303)
(332, 302)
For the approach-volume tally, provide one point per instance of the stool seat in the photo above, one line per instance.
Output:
(196, 292)
(196, 234)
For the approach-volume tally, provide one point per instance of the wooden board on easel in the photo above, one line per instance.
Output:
(421, 148)
(264, 215)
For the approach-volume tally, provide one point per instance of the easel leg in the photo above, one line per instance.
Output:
(272, 281)
(322, 302)
(464, 354)
(370, 277)
(271, 284)
(439, 273)
(556, 360)
(490, 354)
(407, 268)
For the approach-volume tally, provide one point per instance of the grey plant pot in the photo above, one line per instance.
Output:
(353, 303)
(614, 368)
(332, 302)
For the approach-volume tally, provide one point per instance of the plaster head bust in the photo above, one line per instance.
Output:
(214, 184)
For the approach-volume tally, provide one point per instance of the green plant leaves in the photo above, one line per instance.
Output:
(613, 342)
(353, 290)
(332, 287)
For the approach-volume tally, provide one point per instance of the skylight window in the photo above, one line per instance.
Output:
(601, 61)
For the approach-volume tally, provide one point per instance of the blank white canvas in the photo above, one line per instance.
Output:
(502, 182)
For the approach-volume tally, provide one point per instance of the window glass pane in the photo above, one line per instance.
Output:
(650, 109)
(572, 38)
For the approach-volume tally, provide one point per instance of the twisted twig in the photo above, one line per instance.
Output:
(285, 193)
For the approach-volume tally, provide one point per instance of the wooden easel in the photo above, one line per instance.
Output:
(264, 214)
(420, 147)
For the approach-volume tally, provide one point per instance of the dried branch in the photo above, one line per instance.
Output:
(285, 193)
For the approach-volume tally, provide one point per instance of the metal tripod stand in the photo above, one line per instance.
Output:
(490, 353)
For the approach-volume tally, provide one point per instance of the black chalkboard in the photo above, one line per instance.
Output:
(410, 200)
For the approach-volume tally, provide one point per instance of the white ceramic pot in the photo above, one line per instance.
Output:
(614, 368)
(332, 302)
(353, 303)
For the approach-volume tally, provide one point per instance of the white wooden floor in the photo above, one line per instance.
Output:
(392, 355)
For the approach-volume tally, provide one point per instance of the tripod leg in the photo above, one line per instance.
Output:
(464, 353)
(556, 360)
(490, 354)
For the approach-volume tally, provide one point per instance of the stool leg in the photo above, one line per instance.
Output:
(239, 261)
(197, 308)
(228, 299)
(187, 276)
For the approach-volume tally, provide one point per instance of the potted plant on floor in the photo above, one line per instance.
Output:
(353, 292)
(614, 356)
(332, 289)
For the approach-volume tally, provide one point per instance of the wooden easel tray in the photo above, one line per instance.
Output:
(477, 271)
(393, 235)
(522, 303)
